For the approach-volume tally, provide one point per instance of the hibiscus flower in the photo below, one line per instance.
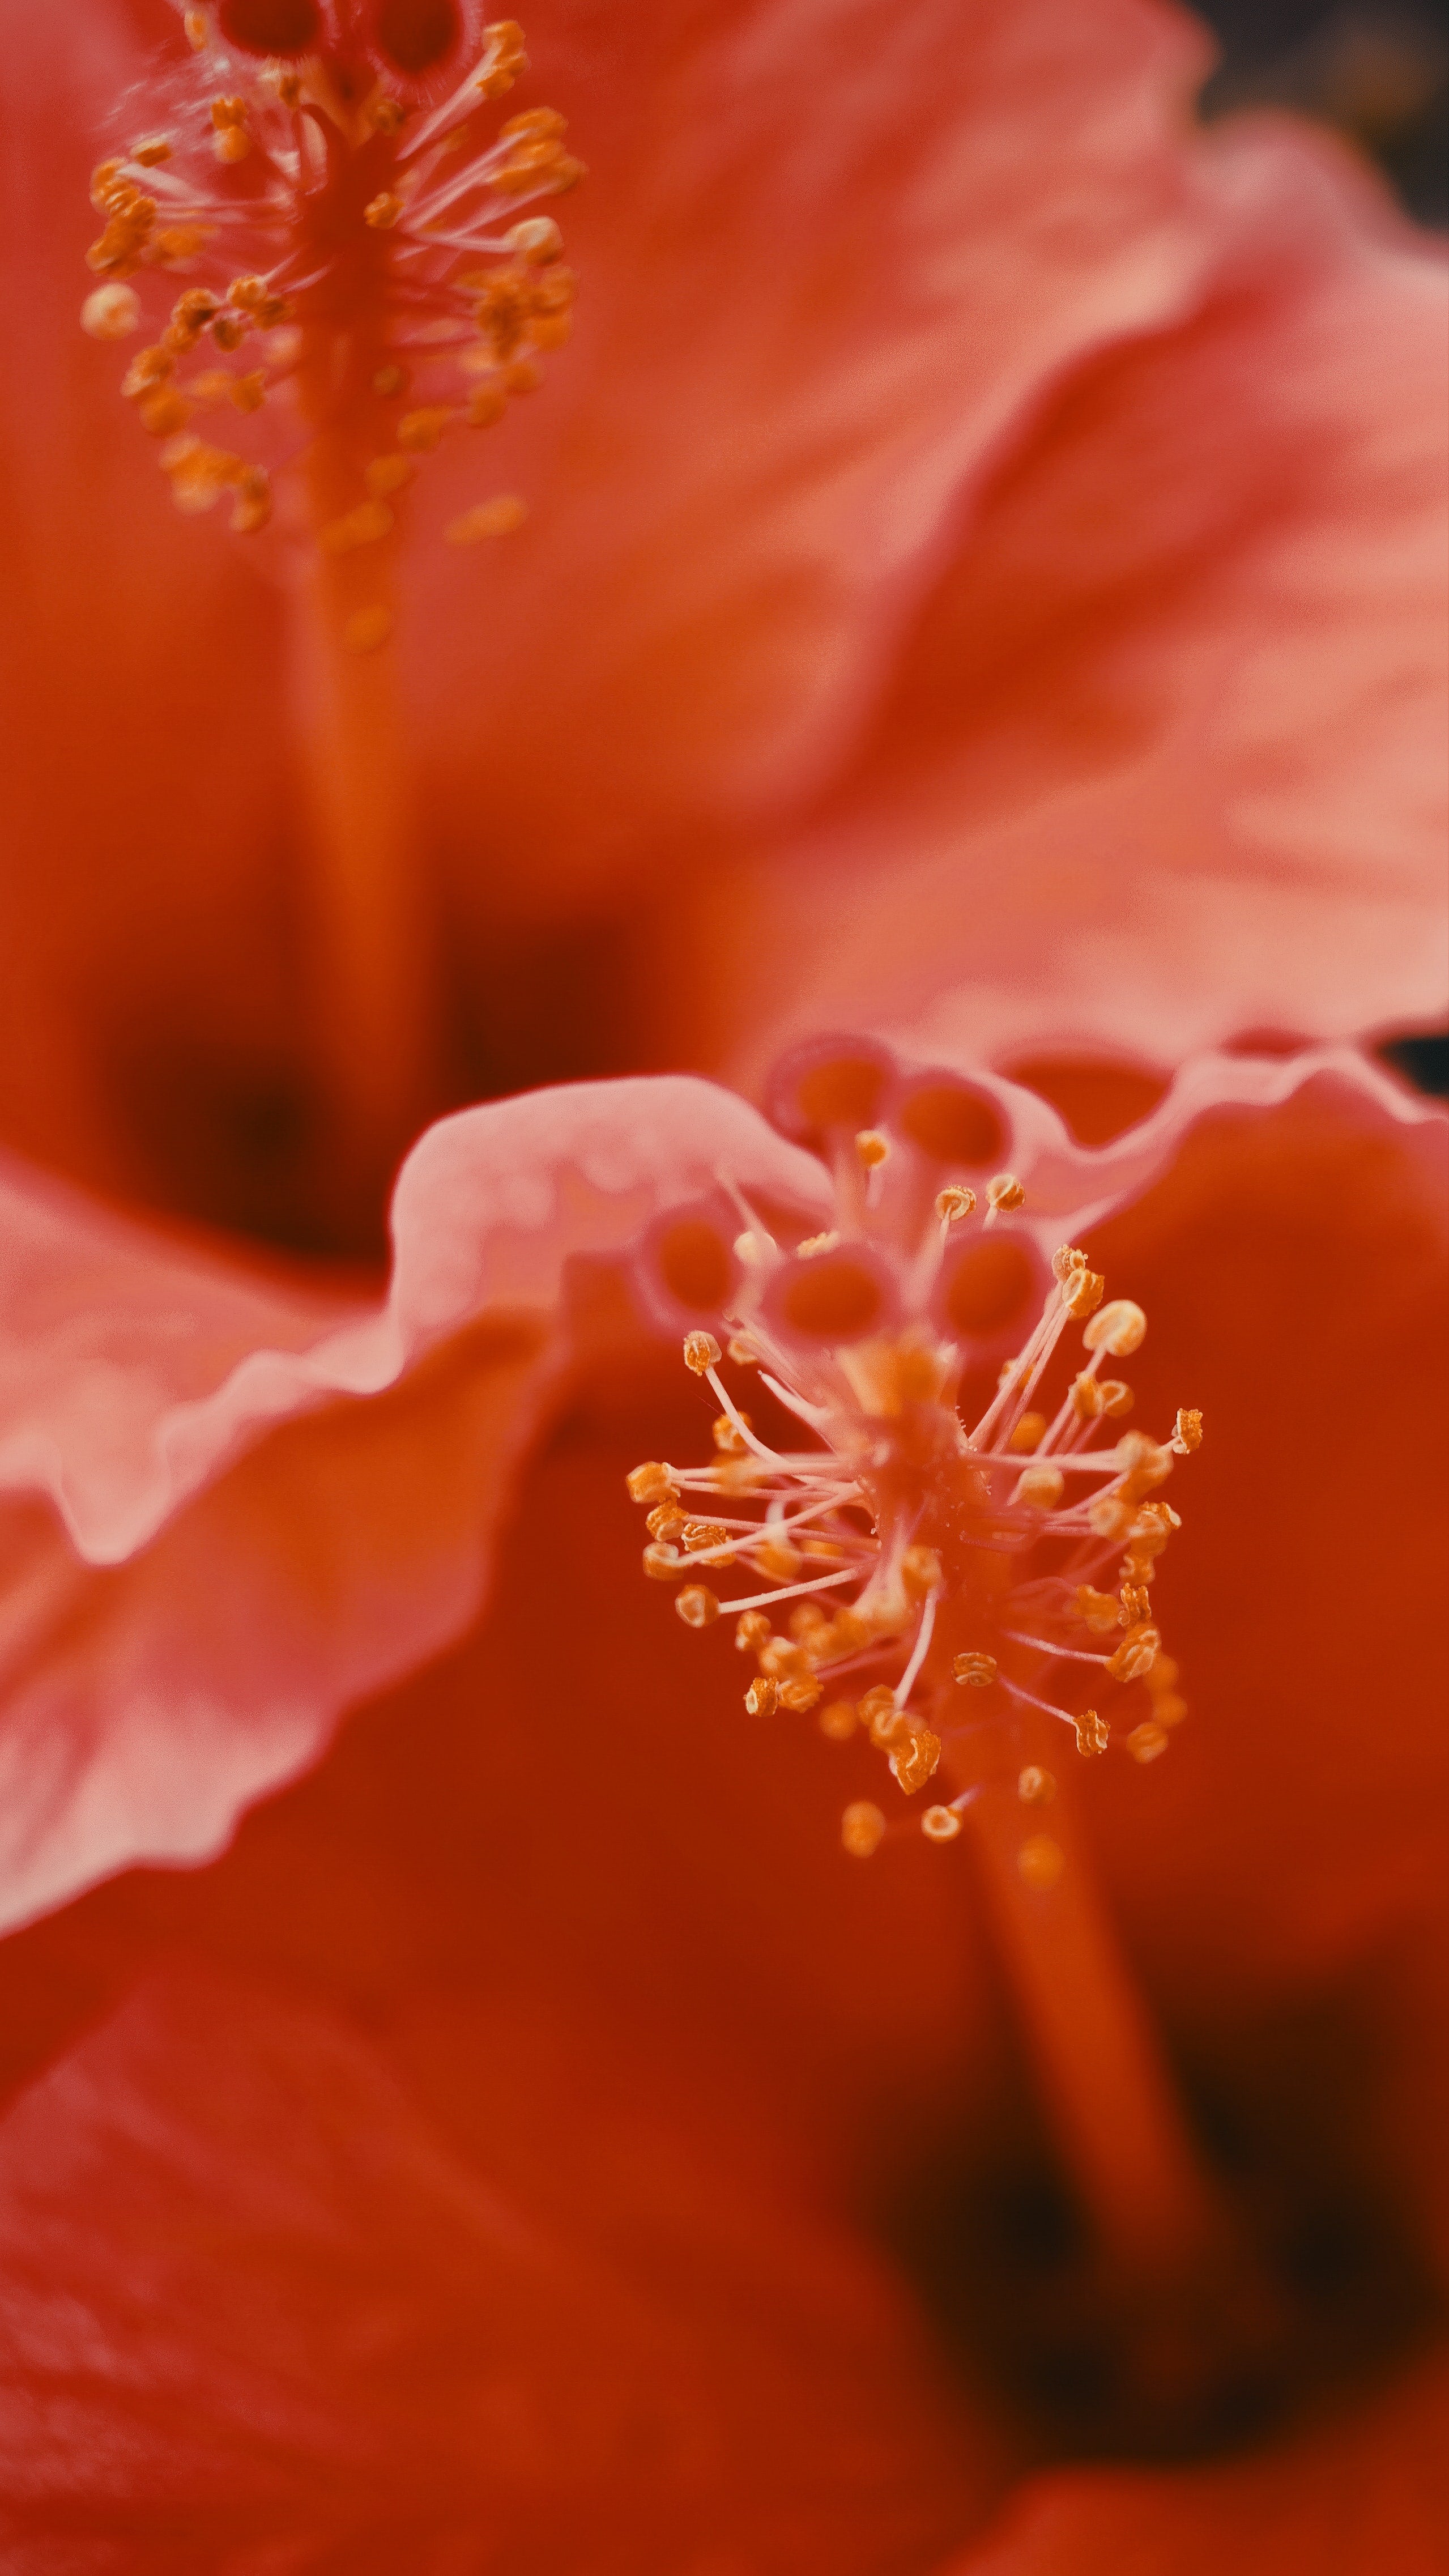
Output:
(971, 500)
(536, 2142)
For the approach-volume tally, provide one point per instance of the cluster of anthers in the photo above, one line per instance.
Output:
(357, 262)
(945, 1577)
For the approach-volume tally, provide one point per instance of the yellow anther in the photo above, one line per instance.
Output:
(653, 1482)
(848, 1634)
(1040, 1863)
(920, 1572)
(178, 242)
(1086, 1398)
(800, 1695)
(954, 1202)
(940, 1824)
(808, 1622)
(1006, 1191)
(783, 1660)
(1035, 1787)
(1067, 1258)
(485, 405)
(1119, 1328)
(537, 240)
(701, 1352)
(1101, 1611)
(421, 430)
(878, 1712)
(248, 392)
(872, 1148)
(976, 1670)
(1146, 1741)
(838, 1720)
(1136, 1602)
(199, 474)
(150, 153)
(389, 380)
(914, 1757)
(487, 519)
(814, 1245)
(253, 296)
(198, 34)
(665, 1521)
(382, 211)
(1145, 1465)
(706, 1534)
(662, 1561)
(386, 115)
(1134, 1657)
(762, 1698)
(1117, 1398)
(503, 59)
(230, 141)
(1093, 1733)
(1169, 1709)
(696, 1605)
(752, 1631)
(148, 369)
(385, 475)
(1028, 1432)
(1082, 1292)
(163, 412)
(726, 1433)
(367, 525)
(861, 1828)
(1040, 1488)
(1109, 1517)
(776, 1558)
(1188, 1434)
(252, 502)
(710, 1539)
(742, 1352)
(228, 330)
(190, 315)
(111, 312)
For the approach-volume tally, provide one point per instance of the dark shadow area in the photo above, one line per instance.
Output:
(1422, 1061)
(1376, 70)
(1322, 2292)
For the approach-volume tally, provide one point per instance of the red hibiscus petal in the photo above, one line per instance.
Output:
(1162, 733)
(830, 255)
(244, 1544)
(263, 2307)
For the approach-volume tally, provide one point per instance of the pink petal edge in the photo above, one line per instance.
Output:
(232, 1510)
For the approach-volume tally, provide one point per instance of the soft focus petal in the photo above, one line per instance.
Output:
(1160, 761)
(833, 250)
(262, 2306)
(1293, 1267)
(834, 578)
(210, 1550)
(1360, 2496)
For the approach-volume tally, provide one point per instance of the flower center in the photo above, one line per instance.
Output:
(954, 1564)
(360, 279)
